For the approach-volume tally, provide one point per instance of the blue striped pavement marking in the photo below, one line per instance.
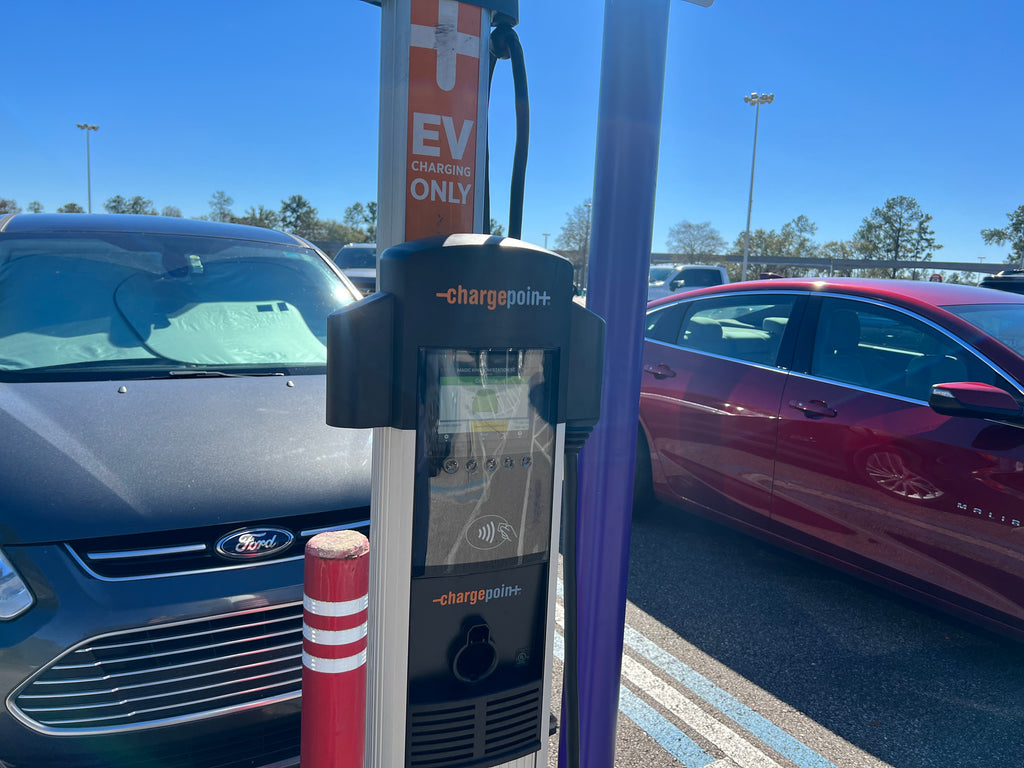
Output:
(669, 737)
(758, 725)
(754, 723)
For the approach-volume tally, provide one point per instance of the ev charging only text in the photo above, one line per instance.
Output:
(424, 136)
(492, 299)
(474, 596)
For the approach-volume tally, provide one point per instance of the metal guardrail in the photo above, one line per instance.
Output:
(810, 263)
(843, 264)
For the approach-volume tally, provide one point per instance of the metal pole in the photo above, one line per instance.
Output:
(750, 201)
(757, 100)
(431, 75)
(628, 135)
(88, 163)
(88, 171)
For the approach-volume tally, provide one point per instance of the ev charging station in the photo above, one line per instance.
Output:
(433, 128)
(476, 370)
(475, 360)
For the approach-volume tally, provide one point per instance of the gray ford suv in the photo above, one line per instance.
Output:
(163, 459)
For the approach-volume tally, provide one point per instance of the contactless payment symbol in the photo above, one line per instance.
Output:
(490, 532)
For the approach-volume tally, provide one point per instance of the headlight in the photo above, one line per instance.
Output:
(15, 598)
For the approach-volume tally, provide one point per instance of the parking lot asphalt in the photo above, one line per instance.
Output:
(741, 655)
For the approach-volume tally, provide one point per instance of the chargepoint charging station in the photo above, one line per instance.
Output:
(474, 363)
(481, 379)
(435, 62)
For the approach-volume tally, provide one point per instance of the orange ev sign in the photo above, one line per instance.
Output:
(444, 94)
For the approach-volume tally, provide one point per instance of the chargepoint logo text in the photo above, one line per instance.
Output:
(474, 596)
(493, 299)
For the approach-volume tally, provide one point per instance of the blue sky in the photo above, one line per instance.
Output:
(265, 100)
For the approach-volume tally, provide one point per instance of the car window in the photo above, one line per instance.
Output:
(660, 274)
(697, 278)
(878, 348)
(357, 258)
(1003, 322)
(663, 323)
(131, 303)
(745, 327)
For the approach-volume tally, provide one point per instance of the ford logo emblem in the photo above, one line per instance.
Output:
(252, 543)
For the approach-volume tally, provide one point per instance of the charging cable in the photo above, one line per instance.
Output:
(505, 45)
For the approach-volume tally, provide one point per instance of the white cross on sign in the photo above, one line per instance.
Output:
(446, 39)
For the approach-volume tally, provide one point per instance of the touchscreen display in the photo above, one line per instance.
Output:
(485, 459)
(495, 402)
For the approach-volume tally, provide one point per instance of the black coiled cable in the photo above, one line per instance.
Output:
(505, 45)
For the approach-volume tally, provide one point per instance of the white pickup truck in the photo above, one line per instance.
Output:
(666, 279)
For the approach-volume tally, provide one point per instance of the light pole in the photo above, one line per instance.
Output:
(88, 170)
(546, 236)
(757, 100)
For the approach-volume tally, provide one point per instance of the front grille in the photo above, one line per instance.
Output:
(169, 673)
(260, 745)
(191, 550)
(484, 732)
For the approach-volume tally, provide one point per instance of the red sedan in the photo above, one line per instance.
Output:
(874, 424)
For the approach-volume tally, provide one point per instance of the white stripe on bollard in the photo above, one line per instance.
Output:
(333, 666)
(343, 608)
(334, 636)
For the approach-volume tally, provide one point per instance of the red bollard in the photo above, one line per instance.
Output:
(337, 578)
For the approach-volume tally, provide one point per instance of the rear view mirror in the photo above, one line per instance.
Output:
(974, 400)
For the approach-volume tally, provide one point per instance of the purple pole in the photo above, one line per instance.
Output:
(628, 132)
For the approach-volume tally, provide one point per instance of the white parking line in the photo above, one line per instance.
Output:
(676, 743)
(686, 751)
(719, 734)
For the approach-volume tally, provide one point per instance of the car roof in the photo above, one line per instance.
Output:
(26, 223)
(686, 266)
(905, 292)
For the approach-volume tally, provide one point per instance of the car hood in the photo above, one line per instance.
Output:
(87, 459)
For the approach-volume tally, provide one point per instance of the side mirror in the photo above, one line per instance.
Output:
(974, 400)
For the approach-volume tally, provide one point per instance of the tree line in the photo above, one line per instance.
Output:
(296, 215)
(898, 230)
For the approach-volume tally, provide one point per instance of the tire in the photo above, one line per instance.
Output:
(643, 485)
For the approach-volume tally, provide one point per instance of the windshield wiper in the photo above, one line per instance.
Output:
(130, 368)
(201, 373)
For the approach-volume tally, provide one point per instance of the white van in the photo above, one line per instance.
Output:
(359, 263)
(666, 279)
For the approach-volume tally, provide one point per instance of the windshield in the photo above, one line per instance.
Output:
(660, 274)
(1004, 321)
(699, 277)
(349, 258)
(135, 305)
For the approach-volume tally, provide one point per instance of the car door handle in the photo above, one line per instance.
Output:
(814, 409)
(659, 371)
